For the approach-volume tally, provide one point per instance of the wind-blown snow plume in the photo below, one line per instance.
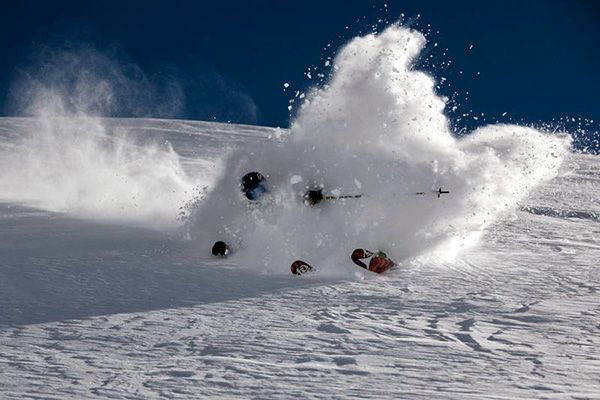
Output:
(78, 79)
(69, 161)
(379, 129)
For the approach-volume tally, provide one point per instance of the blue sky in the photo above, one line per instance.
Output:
(536, 61)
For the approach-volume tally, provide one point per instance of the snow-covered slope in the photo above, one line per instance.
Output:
(106, 305)
(108, 290)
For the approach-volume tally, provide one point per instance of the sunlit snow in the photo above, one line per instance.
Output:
(108, 288)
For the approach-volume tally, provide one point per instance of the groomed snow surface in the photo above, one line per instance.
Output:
(96, 306)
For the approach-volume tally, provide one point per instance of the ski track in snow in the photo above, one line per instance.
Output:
(97, 310)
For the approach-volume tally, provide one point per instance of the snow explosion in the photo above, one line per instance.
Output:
(377, 129)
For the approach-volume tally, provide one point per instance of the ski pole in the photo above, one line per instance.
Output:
(345, 196)
(313, 197)
(438, 192)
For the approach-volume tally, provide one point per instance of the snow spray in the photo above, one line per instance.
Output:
(377, 128)
(67, 160)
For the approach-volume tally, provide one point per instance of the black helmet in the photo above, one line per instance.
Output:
(251, 185)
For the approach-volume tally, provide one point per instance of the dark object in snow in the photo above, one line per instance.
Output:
(313, 197)
(300, 267)
(378, 262)
(252, 185)
(220, 249)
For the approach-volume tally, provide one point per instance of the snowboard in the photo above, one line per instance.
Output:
(378, 262)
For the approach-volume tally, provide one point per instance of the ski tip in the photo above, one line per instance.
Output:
(378, 260)
(300, 267)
